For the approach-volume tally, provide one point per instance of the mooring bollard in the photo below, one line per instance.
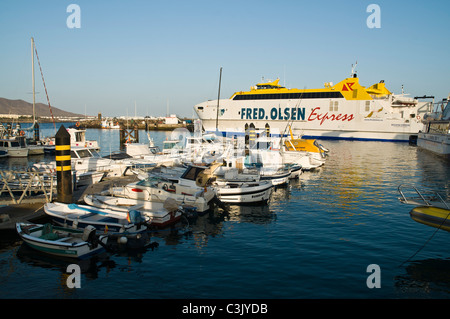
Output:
(63, 166)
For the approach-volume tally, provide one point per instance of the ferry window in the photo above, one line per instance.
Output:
(331, 105)
(200, 108)
(1, 144)
(336, 105)
(367, 106)
(15, 144)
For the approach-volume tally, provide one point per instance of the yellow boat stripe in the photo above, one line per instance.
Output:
(63, 168)
(62, 147)
(63, 158)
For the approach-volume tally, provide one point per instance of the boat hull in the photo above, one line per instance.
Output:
(432, 216)
(244, 193)
(81, 216)
(155, 211)
(436, 143)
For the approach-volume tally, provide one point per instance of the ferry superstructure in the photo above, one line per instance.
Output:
(346, 110)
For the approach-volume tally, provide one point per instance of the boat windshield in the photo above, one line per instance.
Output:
(170, 145)
(80, 154)
(192, 172)
(446, 112)
(148, 182)
(94, 153)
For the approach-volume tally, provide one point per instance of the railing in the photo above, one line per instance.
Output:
(432, 199)
(19, 187)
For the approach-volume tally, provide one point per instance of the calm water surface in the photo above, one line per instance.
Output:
(315, 239)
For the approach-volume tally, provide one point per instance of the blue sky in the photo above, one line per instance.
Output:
(159, 53)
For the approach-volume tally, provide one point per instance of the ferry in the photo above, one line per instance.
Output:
(346, 110)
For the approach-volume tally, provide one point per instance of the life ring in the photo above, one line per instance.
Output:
(21, 133)
(78, 124)
(418, 117)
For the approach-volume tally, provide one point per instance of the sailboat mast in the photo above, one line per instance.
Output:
(218, 98)
(32, 78)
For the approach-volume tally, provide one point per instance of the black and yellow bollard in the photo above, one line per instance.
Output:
(63, 166)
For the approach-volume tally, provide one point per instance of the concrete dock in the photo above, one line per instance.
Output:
(12, 214)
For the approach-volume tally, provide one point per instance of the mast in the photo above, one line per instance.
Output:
(32, 78)
(218, 98)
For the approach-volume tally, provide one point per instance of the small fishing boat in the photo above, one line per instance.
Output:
(104, 220)
(60, 241)
(159, 214)
(432, 216)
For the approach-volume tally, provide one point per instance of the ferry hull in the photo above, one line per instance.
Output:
(331, 134)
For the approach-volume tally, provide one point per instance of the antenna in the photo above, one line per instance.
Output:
(353, 69)
(218, 98)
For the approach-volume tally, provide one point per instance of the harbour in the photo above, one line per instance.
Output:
(301, 178)
(314, 239)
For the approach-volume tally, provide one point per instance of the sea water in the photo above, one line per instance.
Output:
(317, 239)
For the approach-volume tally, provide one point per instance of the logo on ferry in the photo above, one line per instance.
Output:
(347, 87)
(294, 113)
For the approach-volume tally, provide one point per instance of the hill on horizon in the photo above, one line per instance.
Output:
(22, 107)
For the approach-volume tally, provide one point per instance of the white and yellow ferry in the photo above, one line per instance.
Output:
(346, 110)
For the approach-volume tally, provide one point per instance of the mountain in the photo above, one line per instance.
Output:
(25, 108)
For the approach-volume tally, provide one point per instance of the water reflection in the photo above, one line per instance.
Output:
(435, 172)
(252, 214)
(429, 277)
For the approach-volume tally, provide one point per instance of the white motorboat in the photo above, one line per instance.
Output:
(78, 137)
(88, 160)
(159, 214)
(143, 153)
(13, 147)
(160, 189)
(436, 135)
(241, 189)
(104, 220)
(241, 193)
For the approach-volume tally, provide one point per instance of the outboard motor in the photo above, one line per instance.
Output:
(135, 217)
(89, 235)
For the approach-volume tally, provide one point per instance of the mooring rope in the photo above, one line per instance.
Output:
(423, 246)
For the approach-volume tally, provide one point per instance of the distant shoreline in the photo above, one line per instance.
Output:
(147, 124)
